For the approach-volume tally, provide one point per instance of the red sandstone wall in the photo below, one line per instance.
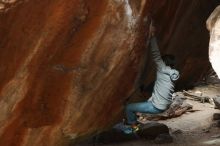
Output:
(66, 66)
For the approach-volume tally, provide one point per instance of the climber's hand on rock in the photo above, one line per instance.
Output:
(152, 30)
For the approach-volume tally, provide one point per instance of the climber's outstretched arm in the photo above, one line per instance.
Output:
(156, 52)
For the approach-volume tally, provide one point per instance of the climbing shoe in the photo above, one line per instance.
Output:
(135, 128)
(127, 129)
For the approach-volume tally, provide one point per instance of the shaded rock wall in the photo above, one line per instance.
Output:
(66, 67)
(182, 32)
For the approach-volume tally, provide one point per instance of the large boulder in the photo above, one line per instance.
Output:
(213, 25)
(67, 66)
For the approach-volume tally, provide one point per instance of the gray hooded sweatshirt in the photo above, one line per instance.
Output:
(164, 85)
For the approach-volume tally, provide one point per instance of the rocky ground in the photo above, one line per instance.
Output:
(190, 129)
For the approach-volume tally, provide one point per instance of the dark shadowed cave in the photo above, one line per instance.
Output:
(66, 66)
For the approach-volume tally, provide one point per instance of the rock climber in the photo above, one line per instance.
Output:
(161, 97)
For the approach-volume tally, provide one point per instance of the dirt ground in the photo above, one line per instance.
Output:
(191, 129)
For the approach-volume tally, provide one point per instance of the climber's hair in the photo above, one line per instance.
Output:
(169, 60)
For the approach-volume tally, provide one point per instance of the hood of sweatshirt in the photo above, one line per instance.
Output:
(174, 74)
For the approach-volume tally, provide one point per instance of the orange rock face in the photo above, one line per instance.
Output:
(66, 66)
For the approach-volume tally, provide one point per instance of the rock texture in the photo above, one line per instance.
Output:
(150, 131)
(213, 25)
(5, 5)
(66, 66)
